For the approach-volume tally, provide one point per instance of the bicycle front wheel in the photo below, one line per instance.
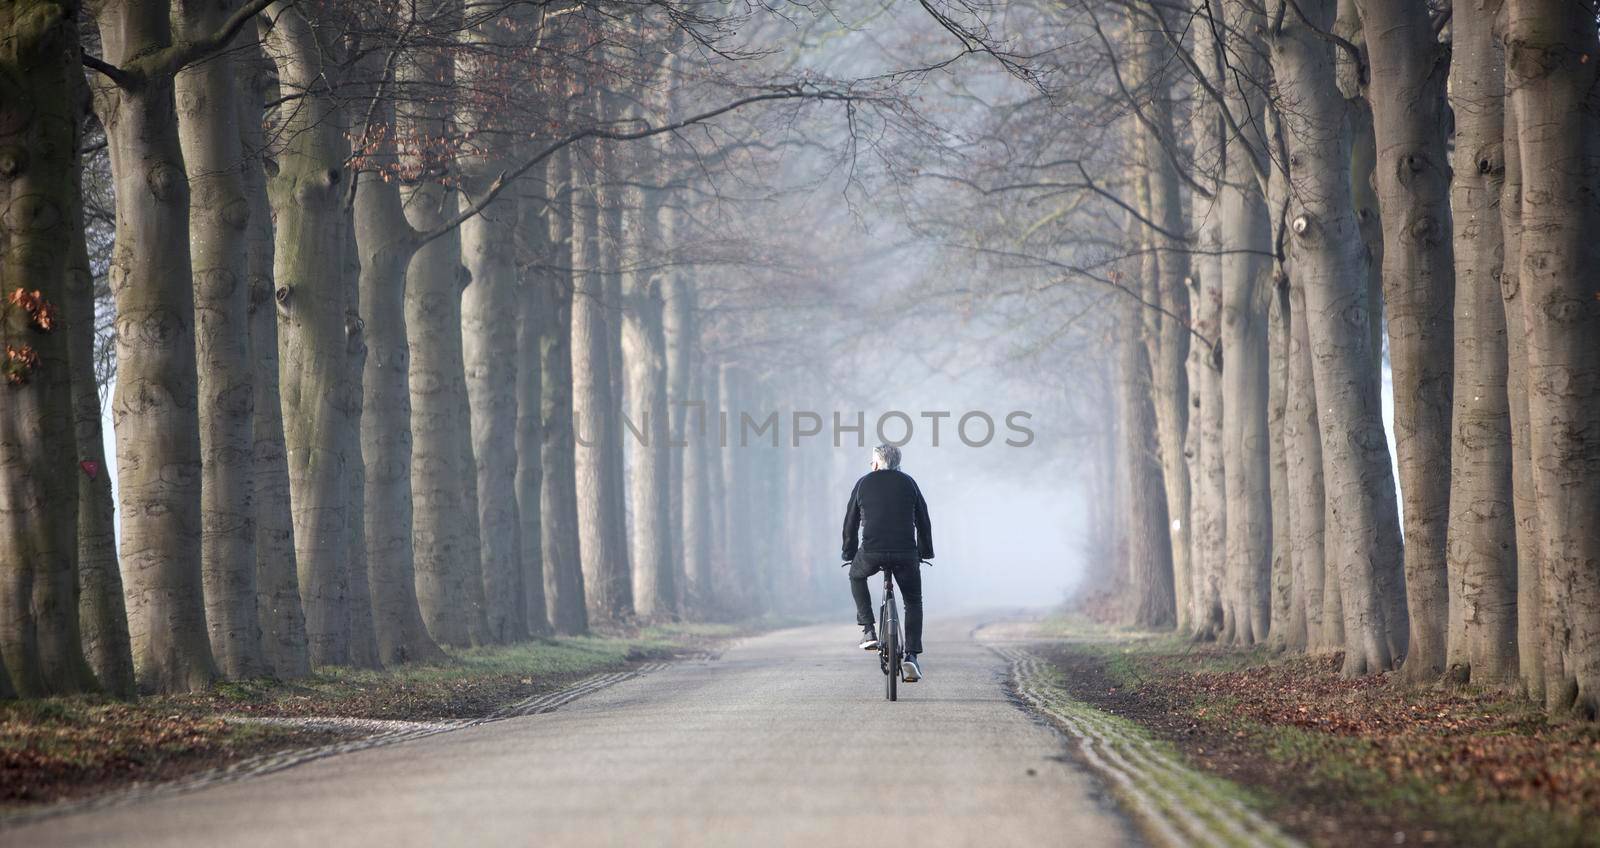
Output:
(892, 679)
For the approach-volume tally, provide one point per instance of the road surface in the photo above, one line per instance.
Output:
(785, 739)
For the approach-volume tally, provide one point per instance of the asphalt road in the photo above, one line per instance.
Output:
(785, 739)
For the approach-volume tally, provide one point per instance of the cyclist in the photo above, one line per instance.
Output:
(886, 528)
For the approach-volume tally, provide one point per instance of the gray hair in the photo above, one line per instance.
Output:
(885, 456)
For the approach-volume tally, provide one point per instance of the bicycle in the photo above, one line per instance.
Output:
(890, 641)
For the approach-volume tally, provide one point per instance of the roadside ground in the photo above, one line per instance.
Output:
(76, 748)
(1335, 761)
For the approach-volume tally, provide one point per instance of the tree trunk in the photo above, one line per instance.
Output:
(448, 554)
(102, 611)
(1530, 546)
(1364, 539)
(279, 611)
(533, 302)
(1149, 553)
(1247, 497)
(1351, 77)
(1482, 553)
(558, 497)
(153, 410)
(316, 335)
(218, 217)
(1246, 242)
(1282, 587)
(1168, 261)
(363, 641)
(677, 327)
(39, 635)
(605, 565)
(1551, 77)
(699, 581)
(1413, 181)
(1204, 443)
(489, 309)
(1302, 448)
(644, 343)
(387, 243)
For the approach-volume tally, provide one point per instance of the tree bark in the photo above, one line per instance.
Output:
(1169, 343)
(607, 585)
(1551, 77)
(153, 409)
(699, 580)
(1407, 93)
(534, 300)
(102, 611)
(282, 618)
(644, 343)
(1245, 235)
(489, 309)
(1530, 546)
(316, 333)
(39, 633)
(558, 497)
(1204, 443)
(387, 243)
(219, 214)
(448, 554)
(1302, 447)
(1364, 540)
(1149, 553)
(1482, 554)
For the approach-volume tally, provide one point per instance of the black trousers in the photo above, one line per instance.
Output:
(907, 571)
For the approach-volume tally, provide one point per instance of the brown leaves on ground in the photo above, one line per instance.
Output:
(1356, 761)
(71, 747)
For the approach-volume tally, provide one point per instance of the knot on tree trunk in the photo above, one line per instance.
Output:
(13, 161)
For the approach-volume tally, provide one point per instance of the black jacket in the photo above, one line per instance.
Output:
(888, 513)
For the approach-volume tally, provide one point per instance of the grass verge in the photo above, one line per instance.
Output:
(1347, 762)
(73, 747)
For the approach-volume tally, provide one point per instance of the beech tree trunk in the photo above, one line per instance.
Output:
(489, 309)
(644, 343)
(102, 612)
(39, 634)
(1482, 552)
(1364, 540)
(1207, 513)
(445, 516)
(282, 618)
(534, 299)
(387, 243)
(445, 534)
(218, 217)
(558, 497)
(1149, 552)
(1551, 78)
(699, 580)
(1246, 242)
(316, 332)
(607, 585)
(153, 408)
(1530, 546)
(1412, 174)
(1302, 448)
(1169, 343)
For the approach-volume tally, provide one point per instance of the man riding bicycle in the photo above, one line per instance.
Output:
(886, 528)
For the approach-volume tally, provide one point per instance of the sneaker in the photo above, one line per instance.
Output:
(910, 671)
(869, 639)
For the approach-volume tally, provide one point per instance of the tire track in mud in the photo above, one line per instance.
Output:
(378, 733)
(1178, 805)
